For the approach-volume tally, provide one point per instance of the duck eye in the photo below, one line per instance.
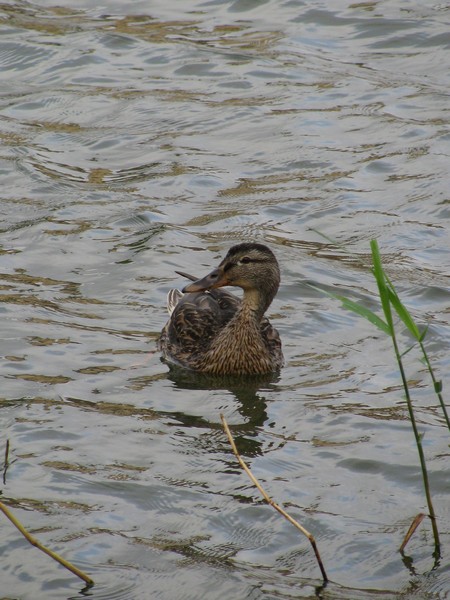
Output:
(245, 260)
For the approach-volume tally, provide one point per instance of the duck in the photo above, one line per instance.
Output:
(211, 330)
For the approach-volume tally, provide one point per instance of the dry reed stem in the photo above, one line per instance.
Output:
(34, 542)
(412, 528)
(269, 500)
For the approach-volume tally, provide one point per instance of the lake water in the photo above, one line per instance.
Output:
(140, 138)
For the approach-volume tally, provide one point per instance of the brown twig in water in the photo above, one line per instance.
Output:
(412, 528)
(33, 541)
(269, 500)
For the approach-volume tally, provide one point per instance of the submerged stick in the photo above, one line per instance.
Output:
(269, 500)
(34, 542)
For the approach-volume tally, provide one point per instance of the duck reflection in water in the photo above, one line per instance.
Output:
(251, 403)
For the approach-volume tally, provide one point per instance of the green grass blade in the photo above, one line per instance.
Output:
(405, 352)
(357, 308)
(423, 334)
(380, 278)
(361, 310)
(403, 313)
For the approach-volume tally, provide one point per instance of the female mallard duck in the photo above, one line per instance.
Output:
(213, 331)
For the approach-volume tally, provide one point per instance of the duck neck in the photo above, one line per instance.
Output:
(252, 308)
(254, 304)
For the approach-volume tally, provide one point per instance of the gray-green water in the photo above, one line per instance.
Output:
(139, 138)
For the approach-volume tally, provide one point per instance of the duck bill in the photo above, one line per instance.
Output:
(215, 279)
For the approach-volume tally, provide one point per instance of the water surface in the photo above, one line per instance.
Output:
(142, 138)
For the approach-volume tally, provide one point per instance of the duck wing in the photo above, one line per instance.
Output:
(173, 297)
(273, 342)
(195, 319)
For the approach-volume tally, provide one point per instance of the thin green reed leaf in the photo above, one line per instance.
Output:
(403, 312)
(437, 385)
(407, 350)
(326, 237)
(357, 308)
(423, 334)
(361, 310)
(382, 285)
